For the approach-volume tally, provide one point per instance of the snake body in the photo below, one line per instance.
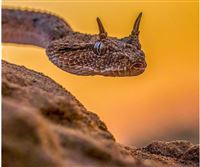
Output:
(75, 52)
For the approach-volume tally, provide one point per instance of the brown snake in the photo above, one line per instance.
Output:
(75, 52)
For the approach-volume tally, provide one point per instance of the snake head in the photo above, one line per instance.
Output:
(100, 54)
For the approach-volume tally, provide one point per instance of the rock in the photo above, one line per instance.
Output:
(45, 126)
(191, 154)
(174, 149)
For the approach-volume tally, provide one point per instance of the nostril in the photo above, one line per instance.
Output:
(138, 65)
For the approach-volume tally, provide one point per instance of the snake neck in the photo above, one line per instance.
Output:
(32, 27)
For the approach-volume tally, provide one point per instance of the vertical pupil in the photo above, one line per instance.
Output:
(98, 47)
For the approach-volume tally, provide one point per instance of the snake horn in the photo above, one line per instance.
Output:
(135, 30)
(102, 32)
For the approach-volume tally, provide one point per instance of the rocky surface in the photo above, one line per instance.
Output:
(45, 126)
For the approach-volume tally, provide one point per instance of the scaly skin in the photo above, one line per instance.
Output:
(74, 52)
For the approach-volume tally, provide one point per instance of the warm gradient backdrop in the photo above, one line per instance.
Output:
(162, 103)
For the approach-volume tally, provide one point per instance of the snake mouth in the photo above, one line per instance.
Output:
(138, 72)
(122, 73)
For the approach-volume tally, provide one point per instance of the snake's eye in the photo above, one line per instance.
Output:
(99, 48)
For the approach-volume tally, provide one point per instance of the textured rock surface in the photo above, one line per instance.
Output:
(45, 126)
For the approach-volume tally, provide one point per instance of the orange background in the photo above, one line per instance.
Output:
(162, 103)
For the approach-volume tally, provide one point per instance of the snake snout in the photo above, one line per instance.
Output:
(140, 64)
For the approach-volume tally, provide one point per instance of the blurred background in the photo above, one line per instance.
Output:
(160, 104)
